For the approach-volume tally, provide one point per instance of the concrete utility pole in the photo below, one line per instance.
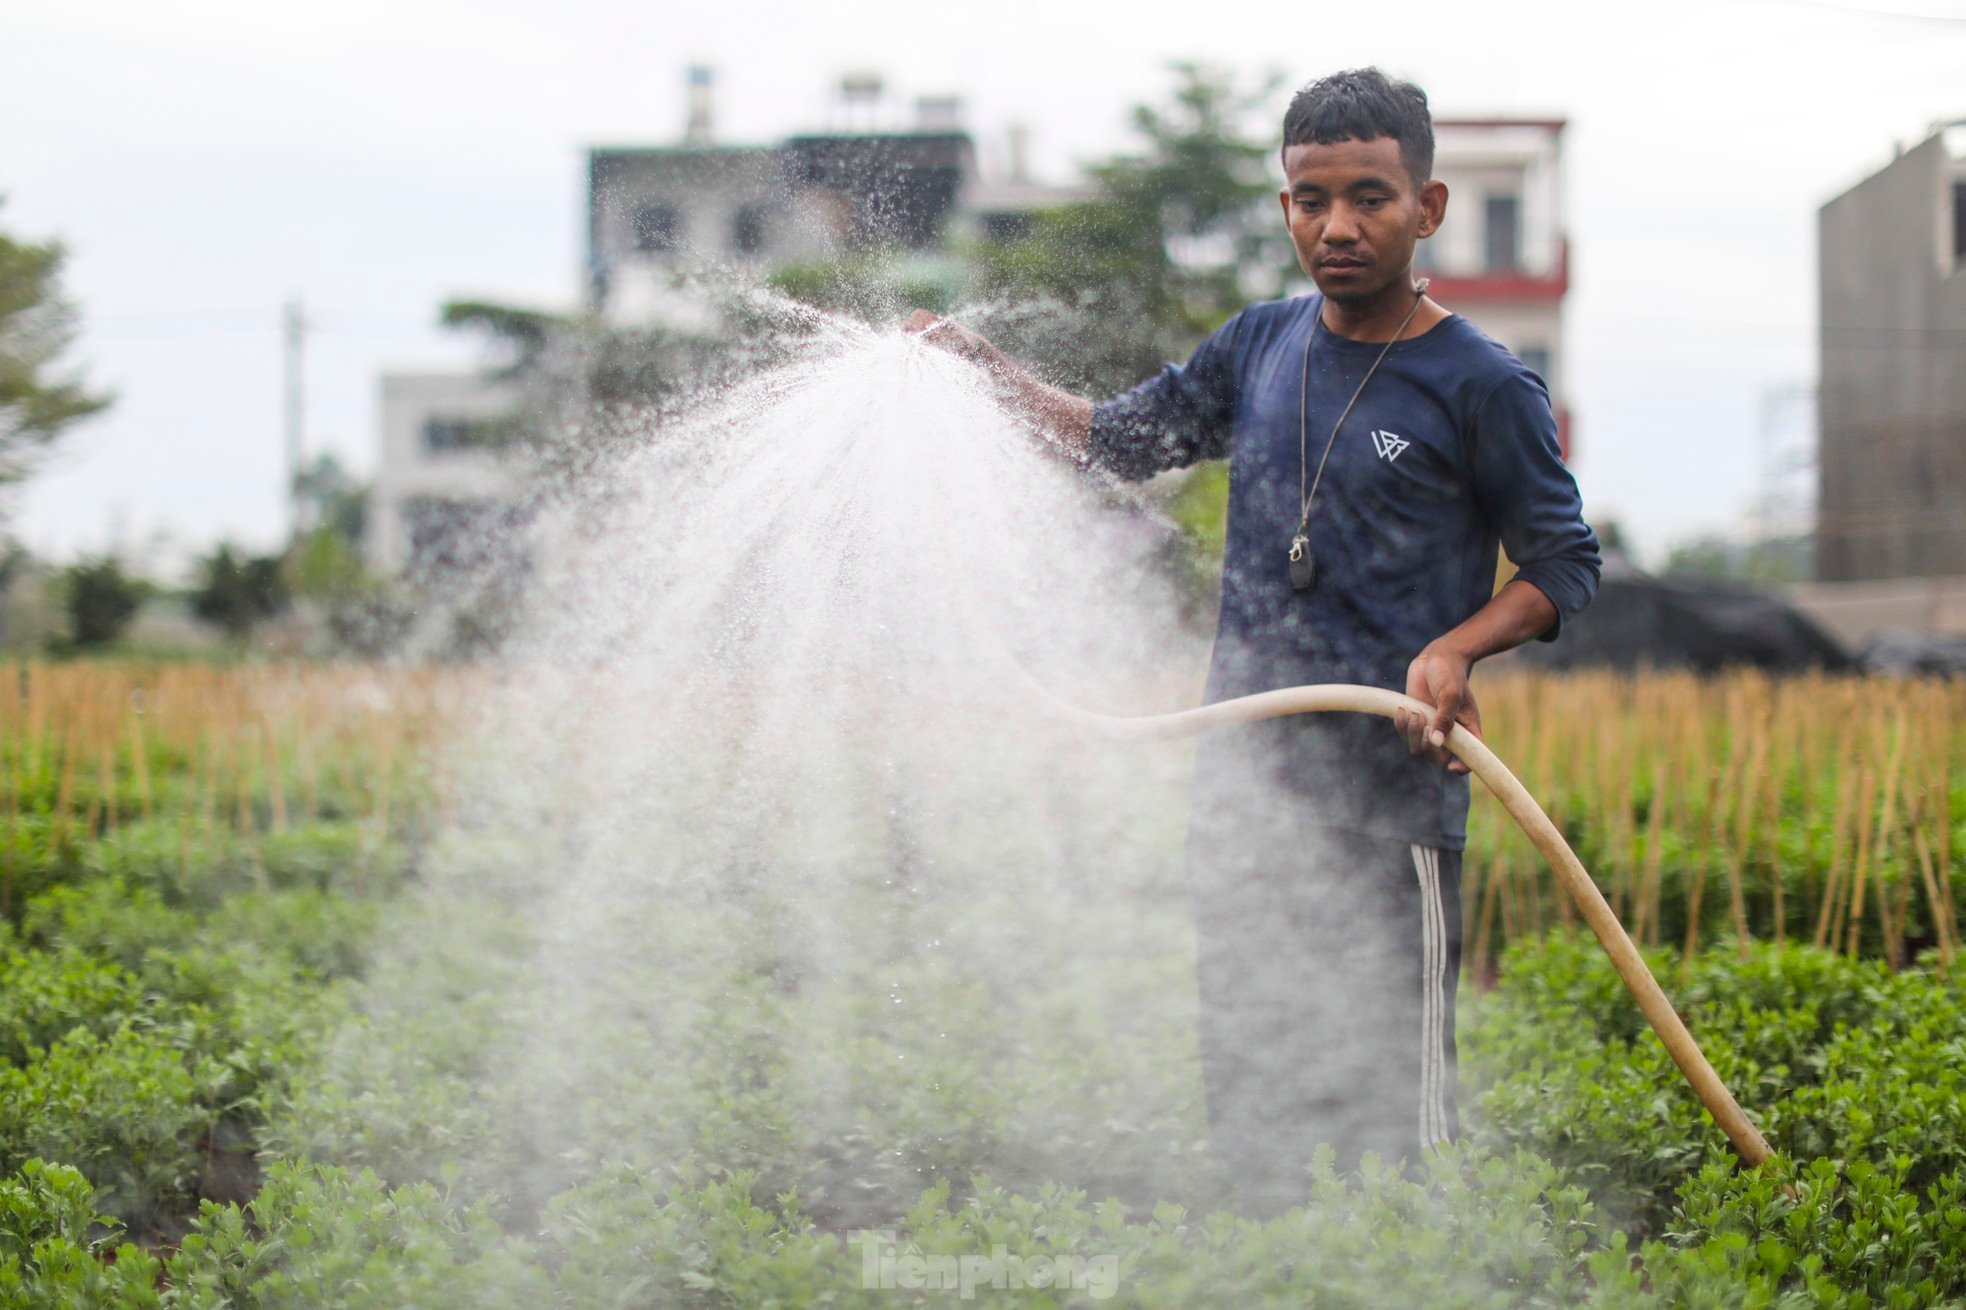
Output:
(296, 329)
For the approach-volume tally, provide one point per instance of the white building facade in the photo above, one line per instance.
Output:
(443, 482)
(1502, 258)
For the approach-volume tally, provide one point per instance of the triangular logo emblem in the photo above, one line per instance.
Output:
(1389, 445)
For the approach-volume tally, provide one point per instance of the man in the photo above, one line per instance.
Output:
(1380, 449)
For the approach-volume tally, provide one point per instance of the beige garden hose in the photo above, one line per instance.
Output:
(1516, 799)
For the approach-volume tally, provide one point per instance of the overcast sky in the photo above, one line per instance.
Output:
(206, 159)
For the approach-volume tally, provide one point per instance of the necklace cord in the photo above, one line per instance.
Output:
(1305, 497)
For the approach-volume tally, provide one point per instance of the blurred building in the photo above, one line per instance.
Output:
(442, 490)
(1502, 258)
(658, 214)
(1893, 370)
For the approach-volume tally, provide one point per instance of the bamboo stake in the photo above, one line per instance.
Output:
(1774, 794)
(1532, 895)
(184, 850)
(1853, 908)
(64, 795)
(35, 699)
(1879, 843)
(1945, 832)
(140, 760)
(1715, 824)
(1839, 832)
(1511, 918)
(1941, 927)
(7, 866)
(106, 780)
(1747, 786)
(1487, 915)
(276, 794)
(1655, 853)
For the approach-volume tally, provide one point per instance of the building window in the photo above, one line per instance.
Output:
(658, 228)
(1010, 225)
(484, 537)
(747, 229)
(443, 436)
(1537, 360)
(1502, 234)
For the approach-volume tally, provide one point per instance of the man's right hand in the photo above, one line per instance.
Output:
(956, 339)
(1064, 420)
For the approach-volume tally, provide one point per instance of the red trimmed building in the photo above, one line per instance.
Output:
(1502, 259)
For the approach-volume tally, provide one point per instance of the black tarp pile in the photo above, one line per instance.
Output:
(1905, 653)
(1641, 622)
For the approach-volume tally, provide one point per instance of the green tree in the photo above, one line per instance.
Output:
(101, 601)
(519, 335)
(1179, 234)
(237, 592)
(1203, 184)
(576, 374)
(337, 502)
(38, 399)
(1775, 562)
(873, 285)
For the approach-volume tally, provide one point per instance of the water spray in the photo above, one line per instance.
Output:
(766, 584)
(1522, 807)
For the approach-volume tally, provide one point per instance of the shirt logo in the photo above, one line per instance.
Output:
(1389, 445)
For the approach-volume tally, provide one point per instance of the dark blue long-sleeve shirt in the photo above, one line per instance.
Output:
(1450, 451)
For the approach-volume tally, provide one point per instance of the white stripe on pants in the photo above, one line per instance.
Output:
(1433, 1000)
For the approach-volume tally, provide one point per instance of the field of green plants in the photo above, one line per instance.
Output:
(246, 1066)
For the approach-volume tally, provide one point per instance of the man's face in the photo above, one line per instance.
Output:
(1354, 215)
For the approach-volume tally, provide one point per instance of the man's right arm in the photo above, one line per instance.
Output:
(1064, 419)
(1181, 415)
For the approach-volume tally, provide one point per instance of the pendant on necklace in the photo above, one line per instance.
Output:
(1303, 569)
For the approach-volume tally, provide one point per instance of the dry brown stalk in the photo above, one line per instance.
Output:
(1880, 841)
(1512, 922)
(1747, 786)
(1852, 920)
(276, 794)
(1941, 915)
(1715, 786)
(1832, 880)
(106, 782)
(64, 792)
(1946, 764)
(140, 761)
(1773, 793)
(1646, 916)
(1487, 915)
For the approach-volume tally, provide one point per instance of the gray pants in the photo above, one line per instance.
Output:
(1327, 968)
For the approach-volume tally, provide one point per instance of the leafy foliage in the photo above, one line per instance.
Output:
(237, 592)
(1177, 237)
(199, 1109)
(101, 601)
(37, 325)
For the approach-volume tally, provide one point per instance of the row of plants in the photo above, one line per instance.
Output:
(144, 1014)
(1589, 1177)
(208, 766)
(341, 1057)
(1809, 808)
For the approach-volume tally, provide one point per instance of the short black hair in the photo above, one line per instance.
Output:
(1363, 104)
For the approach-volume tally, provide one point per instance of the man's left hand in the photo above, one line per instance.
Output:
(1439, 676)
